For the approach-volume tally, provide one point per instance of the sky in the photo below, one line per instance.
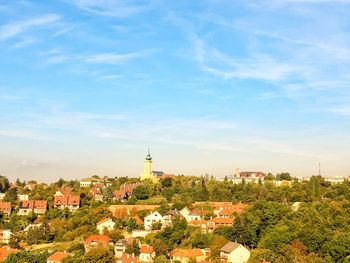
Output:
(86, 86)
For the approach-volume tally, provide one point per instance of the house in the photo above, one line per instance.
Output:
(234, 252)
(185, 212)
(64, 190)
(127, 258)
(153, 218)
(5, 252)
(199, 223)
(105, 224)
(5, 235)
(97, 191)
(87, 182)
(23, 197)
(2, 195)
(97, 241)
(125, 191)
(72, 202)
(224, 210)
(186, 255)
(147, 254)
(35, 206)
(214, 223)
(58, 257)
(5, 207)
(121, 245)
(195, 215)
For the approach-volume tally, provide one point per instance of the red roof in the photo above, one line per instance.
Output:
(5, 207)
(67, 200)
(223, 221)
(5, 252)
(103, 221)
(58, 256)
(146, 249)
(186, 253)
(103, 239)
(127, 258)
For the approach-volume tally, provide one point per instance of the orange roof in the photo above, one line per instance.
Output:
(58, 256)
(67, 200)
(197, 222)
(218, 220)
(127, 258)
(146, 249)
(103, 221)
(98, 239)
(5, 206)
(186, 253)
(5, 252)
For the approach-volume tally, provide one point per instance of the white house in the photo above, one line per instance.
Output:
(185, 213)
(234, 252)
(147, 254)
(5, 235)
(155, 217)
(106, 223)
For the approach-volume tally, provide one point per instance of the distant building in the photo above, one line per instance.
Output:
(127, 258)
(147, 254)
(121, 245)
(153, 218)
(72, 202)
(35, 206)
(234, 252)
(5, 207)
(149, 174)
(125, 191)
(88, 182)
(23, 197)
(5, 236)
(186, 255)
(58, 257)
(97, 240)
(105, 224)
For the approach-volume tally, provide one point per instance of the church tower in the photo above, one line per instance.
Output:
(147, 169)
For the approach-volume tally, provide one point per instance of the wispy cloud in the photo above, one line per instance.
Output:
(13, 29)
(112, 8)
(24, 43)
(64, 31)
(111, 58)
(259, 66)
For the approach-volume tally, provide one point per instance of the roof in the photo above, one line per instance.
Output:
(103, 221)
(5, 206)
(127, 258)
(198, 222)
(146, 249)
(67, 200)
(219, 220)
(229, 247)
(5, 252)
(58, 256)
(186, 253)
(97, 239)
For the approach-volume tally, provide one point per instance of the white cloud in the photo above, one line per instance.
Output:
(111, 58)
(260, 66)
(13, 29)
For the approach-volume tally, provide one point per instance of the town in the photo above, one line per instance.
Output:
(162, 217)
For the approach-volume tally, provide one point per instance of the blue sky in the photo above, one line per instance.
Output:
(87, 86)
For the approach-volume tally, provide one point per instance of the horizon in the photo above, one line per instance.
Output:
(87, 86)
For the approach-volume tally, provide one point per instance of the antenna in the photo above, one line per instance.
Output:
(319, 168)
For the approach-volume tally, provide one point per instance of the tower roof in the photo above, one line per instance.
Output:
(148, 157)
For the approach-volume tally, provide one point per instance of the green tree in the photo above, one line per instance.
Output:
(99, 255)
